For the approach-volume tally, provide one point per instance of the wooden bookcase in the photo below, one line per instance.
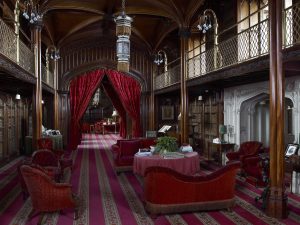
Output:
(205, 118)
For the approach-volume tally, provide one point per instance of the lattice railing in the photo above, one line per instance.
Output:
(169, 77)
(291, 24)
(9, 48)
(248, 44)
(26, 60)
(8, 43)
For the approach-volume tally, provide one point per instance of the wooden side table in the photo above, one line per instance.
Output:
(223, 148)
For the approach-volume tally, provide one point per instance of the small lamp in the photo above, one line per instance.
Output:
(222, 131)
(115, 114)
(200, 98)
(18, 96)
(43, 102)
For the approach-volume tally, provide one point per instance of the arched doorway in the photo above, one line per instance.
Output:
(124, 88)
(255, 120)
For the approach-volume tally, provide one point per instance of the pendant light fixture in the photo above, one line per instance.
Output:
(123, 32)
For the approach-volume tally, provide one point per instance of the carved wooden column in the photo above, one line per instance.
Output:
(277, 198)
(55, 102)
(37, 106)
(184, 35)
(152, 102)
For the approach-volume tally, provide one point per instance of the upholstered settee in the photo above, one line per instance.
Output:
(167, 191)
(124, 151)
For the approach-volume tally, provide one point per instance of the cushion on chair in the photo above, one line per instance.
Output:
(129, 147)
(147, 142)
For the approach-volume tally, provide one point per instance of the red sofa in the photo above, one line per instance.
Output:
(124, 151)
(167, 191)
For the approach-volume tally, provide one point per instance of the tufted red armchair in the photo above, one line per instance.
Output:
(247, 149)
(47, 143)
(167, 191)
(46, 195)
(124, 151)
(47, 159)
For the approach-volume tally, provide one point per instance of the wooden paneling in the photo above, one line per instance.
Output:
(12, 124)
(84, 56)
(64, 115)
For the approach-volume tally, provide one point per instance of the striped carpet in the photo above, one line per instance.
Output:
(113, 200)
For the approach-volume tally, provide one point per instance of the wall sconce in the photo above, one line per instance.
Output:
(161, 57)
(204, 23)
(42, 101)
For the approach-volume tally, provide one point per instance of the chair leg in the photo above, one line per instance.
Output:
(76, 214)
(40, 219)
(30, 215)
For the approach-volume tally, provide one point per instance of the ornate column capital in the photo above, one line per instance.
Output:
(184, 32)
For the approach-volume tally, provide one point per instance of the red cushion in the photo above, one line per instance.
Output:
(129, 147)
(147, 142)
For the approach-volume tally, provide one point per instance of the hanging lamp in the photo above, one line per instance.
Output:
(123, 32)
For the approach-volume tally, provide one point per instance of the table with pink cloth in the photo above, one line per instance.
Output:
(189, 165)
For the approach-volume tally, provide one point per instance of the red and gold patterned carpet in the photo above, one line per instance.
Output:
(112, 200)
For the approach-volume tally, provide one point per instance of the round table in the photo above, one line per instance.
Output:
(189, 165)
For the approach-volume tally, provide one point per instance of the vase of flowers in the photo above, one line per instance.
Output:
(166, 144)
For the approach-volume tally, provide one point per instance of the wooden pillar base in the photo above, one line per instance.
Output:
(277, 203)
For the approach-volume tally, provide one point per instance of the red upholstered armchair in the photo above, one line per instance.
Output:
(47, 143)
(167, 191)
(46, 195)
(22, 181)
(124, 151)
(255, 169)
(46, 159)
(247, 149)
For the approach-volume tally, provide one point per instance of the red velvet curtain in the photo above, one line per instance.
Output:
(129, 92)
(111, 93)
(82, 89)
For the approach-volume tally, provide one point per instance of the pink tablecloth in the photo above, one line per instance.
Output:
(188, 165)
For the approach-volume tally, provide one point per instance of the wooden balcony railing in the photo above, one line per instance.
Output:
(246, 45)
(14, 49)
(169, 77)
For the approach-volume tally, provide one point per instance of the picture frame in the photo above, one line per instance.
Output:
(167, 112)
(291, 149)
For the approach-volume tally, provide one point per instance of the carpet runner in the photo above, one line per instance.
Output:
(110, 199)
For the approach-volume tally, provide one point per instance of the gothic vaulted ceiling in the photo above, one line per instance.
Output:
(153, 20)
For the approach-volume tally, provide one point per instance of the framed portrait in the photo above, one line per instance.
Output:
(291, 149)
(167, 112)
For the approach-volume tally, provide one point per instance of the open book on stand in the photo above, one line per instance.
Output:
(164, 128)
